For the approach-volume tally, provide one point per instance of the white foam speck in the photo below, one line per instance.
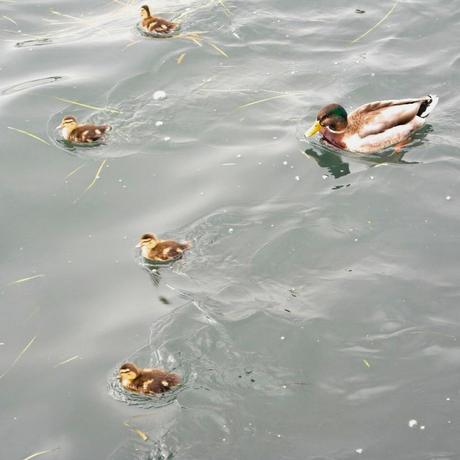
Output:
(159, 95)
(412, 423)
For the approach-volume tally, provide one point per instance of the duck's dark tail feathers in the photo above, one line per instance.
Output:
(428, 105)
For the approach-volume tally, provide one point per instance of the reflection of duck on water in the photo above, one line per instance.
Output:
(331, 161)
(337, 167)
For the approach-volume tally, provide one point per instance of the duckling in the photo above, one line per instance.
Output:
(374, 126)
(161, 250)
(82, 134)
(146, 381)
(154, 23)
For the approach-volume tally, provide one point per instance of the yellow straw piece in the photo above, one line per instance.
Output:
(33, 136)
(9, 19)
(23, 280)
(73, 358)
(376, 25)
(140, 433)
(18, 357)
(87, 106)
(71, 173)
(96, 177)
(219, 50)
(262, 100)
(42, 452)
(181, 58)
(224, 6)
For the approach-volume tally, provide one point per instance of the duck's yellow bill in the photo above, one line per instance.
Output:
(313, 130)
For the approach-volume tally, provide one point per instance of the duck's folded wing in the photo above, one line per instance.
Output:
(377, 117)
(391, 136)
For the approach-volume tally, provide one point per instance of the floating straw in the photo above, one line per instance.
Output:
(42, 452)
(219, 50)
(96, 177)
(23, 280)
(73, 358)
(87, 106)
(262, 100)
(18, 357)
(71, 173)
(140, 433)
(376, 25)
(33, 136)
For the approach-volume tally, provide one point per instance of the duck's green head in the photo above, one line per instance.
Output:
(332, 116)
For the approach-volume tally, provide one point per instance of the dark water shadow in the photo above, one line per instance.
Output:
(34, 42)
(29, 85)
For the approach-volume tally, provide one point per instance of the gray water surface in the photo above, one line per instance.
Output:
(316, 316)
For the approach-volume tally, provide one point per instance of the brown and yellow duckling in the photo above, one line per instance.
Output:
(147, 381)
(374, 126)
(155, 24)
(155, 249)
(82, 134)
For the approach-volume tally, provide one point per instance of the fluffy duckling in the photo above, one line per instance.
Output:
(146, 381)
(155, 249)
(154, 23)
(374, 126)
(82, 134)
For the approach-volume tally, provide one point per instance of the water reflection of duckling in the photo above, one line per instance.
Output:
(82, 134)
(154, 23)
(147, 381)
(155, 249)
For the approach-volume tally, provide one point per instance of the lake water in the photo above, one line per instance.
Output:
(317, 315)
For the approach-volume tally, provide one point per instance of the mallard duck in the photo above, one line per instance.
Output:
(155, 24)
(82, 134)
(374, 126)
(155, 249)
(146, 381)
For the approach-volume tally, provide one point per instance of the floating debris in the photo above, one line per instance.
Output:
(42, 452)
(73, 358)
(376, 25)
(140, 433)
(33, 136)
(358, 11)
(23, 280)
(159, 95)
(87, 106)
(249, 104)
(219, 50)
(412, 423)
(18, 357)
(366, 363)
(71, 173)
(359, 451)
(181, 58)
